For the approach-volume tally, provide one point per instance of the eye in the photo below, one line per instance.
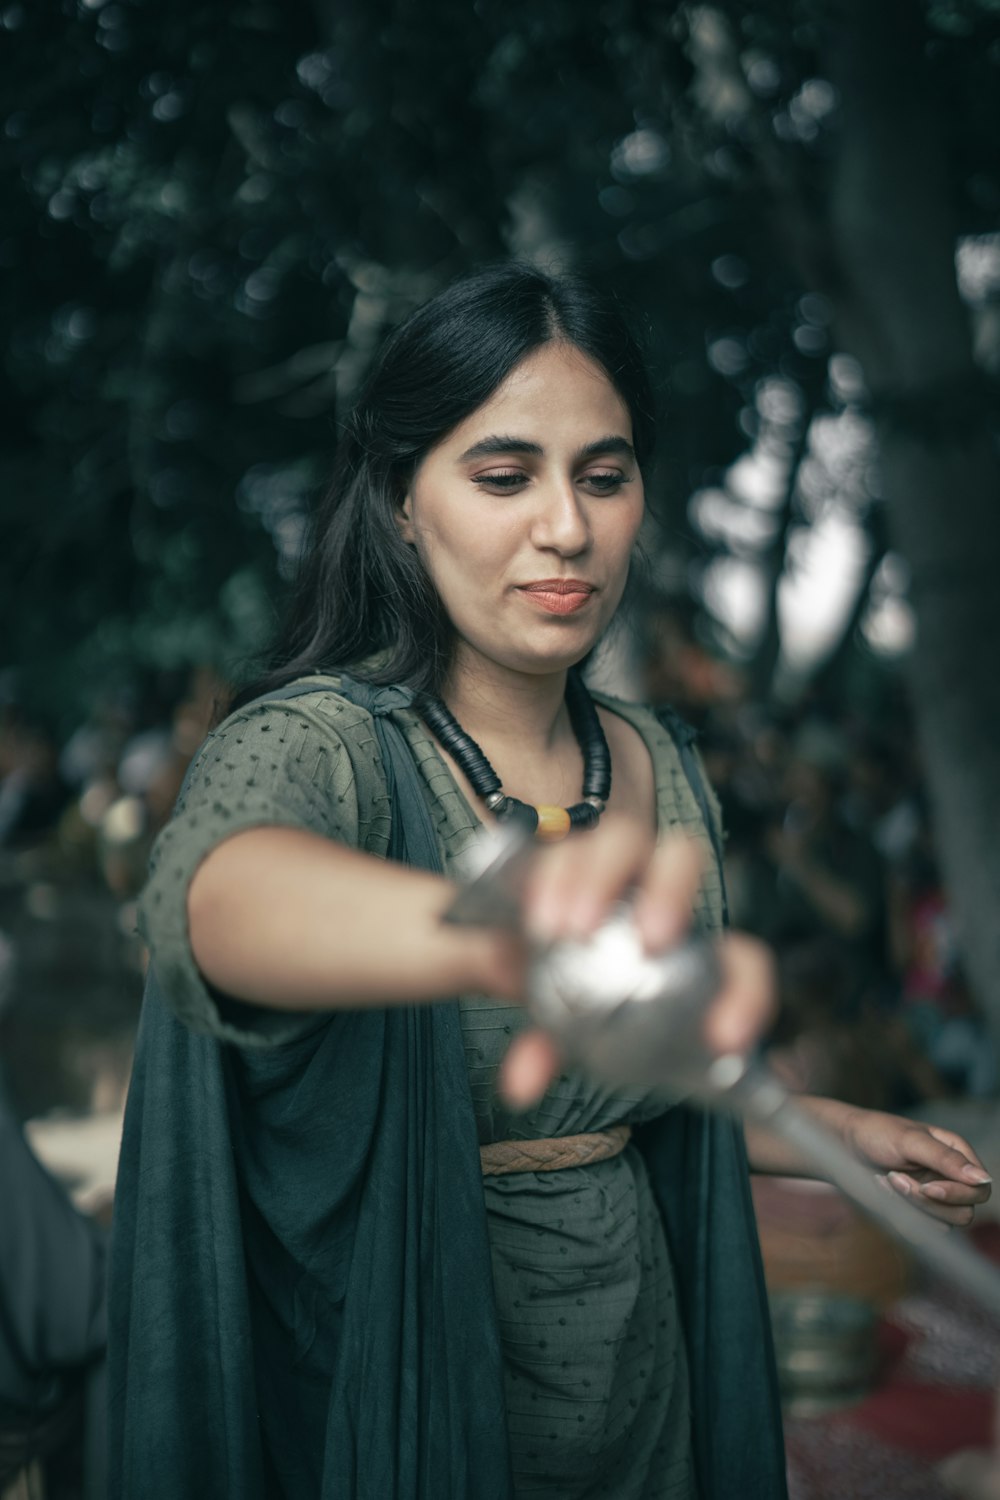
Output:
(604, 481)
(501, 479)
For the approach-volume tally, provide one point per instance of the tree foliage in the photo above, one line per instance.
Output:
(212, 212)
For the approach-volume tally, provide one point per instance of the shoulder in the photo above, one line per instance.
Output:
(652, 721)
(314, 754)
(312, 717)
(671, 743)
(316, 699)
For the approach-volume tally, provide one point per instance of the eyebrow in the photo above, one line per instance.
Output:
(500, 443)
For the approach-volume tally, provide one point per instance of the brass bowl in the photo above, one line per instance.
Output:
(826, 1349)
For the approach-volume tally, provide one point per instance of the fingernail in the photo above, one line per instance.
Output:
(934, 1190)
(976, 1175)
(900, 1183)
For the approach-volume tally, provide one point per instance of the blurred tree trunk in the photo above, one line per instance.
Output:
(766, 656)
(898, 310)
(829, 674)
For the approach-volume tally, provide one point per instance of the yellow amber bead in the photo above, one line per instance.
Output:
(553, 823)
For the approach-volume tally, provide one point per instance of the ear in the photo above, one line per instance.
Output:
(404, 518)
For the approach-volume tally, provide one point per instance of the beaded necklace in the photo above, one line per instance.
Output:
(545, 821)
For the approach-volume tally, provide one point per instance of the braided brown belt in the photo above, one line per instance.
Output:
(549, 1155)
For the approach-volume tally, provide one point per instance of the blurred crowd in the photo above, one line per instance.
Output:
(77, 819)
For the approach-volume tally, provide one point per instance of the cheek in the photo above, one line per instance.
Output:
(482, 544)
(618, 529)
(463, 552)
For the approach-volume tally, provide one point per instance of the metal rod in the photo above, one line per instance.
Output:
(759, 1096)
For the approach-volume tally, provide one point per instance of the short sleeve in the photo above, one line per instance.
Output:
(311, 763)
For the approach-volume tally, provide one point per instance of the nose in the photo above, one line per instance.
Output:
(560, 523)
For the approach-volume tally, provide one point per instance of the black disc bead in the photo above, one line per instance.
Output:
(583, 815)
(461, 746)
(590, 737)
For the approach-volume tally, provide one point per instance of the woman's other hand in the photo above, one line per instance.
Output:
(571, 890)
(935, 1168)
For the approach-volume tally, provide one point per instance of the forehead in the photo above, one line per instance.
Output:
(556, 392)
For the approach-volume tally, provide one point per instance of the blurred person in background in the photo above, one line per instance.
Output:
(32, 792)
(827, 875)
(53, 1319)
(325, 1278)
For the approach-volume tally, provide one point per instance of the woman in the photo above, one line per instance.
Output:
(309, 1297)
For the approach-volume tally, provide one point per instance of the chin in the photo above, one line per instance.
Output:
(537, 660)
(544, 647)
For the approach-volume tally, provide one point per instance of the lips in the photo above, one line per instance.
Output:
(559, 596)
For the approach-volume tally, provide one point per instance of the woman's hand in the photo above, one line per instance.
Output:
(572, 887)
(936, 1169)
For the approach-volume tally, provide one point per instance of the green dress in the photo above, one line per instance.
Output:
(594, 1364)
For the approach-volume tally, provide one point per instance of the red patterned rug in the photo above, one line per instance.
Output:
(940, 1368)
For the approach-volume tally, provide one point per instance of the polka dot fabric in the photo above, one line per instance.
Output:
(312, 763)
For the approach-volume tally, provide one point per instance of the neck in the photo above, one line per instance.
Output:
(500, 703)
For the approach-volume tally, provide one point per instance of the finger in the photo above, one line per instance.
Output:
(572, 885)
(531, 1062)
(666, 896)
(919, 1147)
(747, 1001)
(957, 1143)
(954, 1208)
(928, 1209)
(954, 1193)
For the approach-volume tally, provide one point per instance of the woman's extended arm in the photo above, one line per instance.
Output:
(283, 917)
(287, 918)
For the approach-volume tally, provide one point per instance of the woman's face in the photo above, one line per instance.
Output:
(526, 513)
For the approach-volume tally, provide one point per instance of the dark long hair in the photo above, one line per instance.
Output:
(361, 590)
